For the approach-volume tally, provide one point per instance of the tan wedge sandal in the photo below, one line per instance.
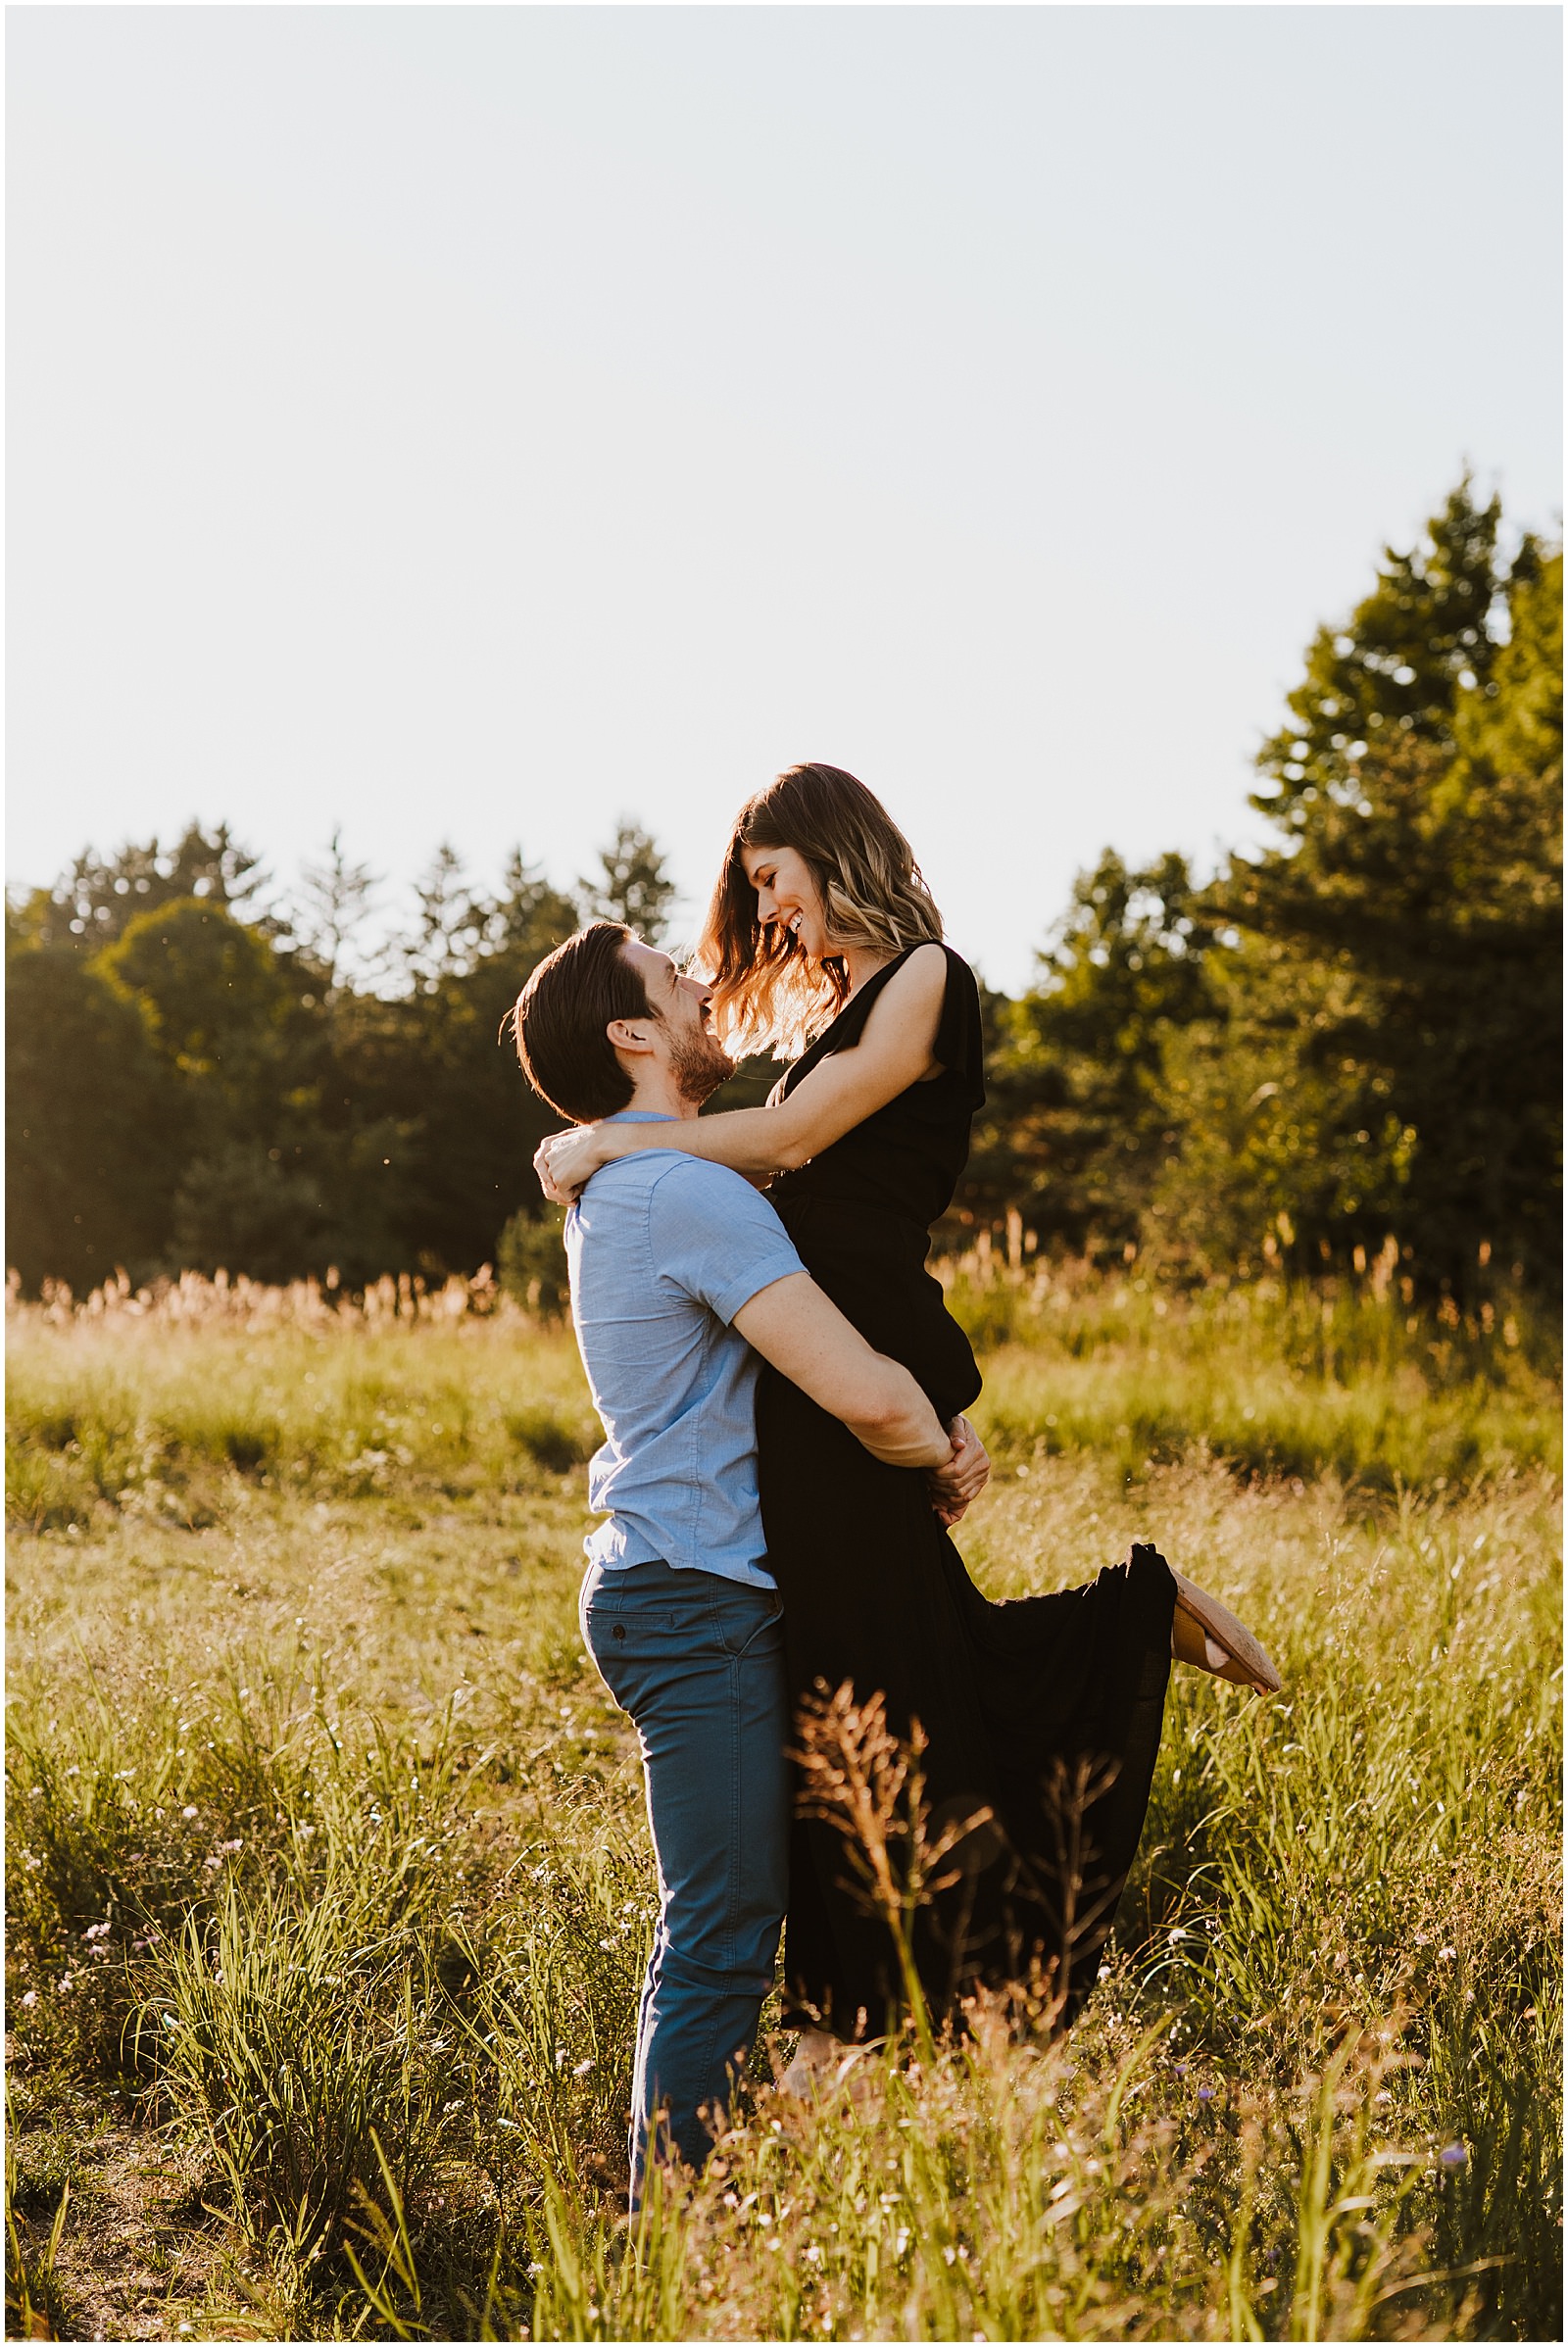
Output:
(1217, 1641)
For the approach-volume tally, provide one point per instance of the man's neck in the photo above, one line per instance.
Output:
(657, 1096)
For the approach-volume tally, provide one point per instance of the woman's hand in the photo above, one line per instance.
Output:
(964, 1477)
(564, 1161)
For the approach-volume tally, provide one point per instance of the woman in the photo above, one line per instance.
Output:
(1040, 1718)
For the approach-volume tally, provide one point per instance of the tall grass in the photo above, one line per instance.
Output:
(161, 1416)
(327, 1862)
(1274, 1378)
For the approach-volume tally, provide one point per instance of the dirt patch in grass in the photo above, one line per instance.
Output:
(138, 2256)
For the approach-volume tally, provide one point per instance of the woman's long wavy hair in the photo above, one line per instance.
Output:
(768, 994)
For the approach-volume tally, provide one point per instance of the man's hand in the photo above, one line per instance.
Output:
(965, 1476)
(563, 1162)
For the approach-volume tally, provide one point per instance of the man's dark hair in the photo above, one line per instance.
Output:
(559, 1022)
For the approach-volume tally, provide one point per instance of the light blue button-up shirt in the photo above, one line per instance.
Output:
(664, 1250)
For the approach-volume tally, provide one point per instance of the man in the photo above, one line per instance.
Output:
(681, 1275)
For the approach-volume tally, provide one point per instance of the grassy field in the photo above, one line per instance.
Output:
(330, 1890)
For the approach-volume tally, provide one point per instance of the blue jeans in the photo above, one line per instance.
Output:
(699, 1663)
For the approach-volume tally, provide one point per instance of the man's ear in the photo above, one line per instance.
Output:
(629, 1035)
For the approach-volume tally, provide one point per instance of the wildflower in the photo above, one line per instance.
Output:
(1205, 2094)
(97, 1931)
(227, 1848)
(31, 1998)
(189, 1810)
(583, 2068)
(1454, 2155)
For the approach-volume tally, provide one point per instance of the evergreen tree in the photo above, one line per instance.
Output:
(326, 915)
(1076, 1123)
(1422, 646)
(95, 901)
(631, 886)
(449, 932)
(1394, 1011)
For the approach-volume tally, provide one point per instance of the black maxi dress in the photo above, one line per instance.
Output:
(1046, 1710)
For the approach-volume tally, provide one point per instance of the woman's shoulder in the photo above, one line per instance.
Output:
(930, 975)
(920, 973)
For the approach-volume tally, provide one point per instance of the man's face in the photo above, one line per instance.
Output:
(696, 1061)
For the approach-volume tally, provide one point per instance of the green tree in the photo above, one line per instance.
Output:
(326, 918)
(202, 1091)
(1076, 1123)
(96, 900)
(232, 1033)
(439, 1064)
(1388, 1054)
(1402, 664)
(632, 885)
(93, 1122)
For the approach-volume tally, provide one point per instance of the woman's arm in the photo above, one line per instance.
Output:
(842, 1092)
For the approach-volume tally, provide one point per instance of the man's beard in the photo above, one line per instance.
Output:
(699, 1065)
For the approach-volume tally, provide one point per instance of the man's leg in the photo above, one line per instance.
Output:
(698, 1663)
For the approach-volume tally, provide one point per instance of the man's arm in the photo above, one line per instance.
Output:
(793, 1325)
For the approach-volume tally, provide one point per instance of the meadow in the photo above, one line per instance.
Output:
(328, 1887)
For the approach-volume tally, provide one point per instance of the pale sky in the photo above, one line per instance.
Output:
(475, 423)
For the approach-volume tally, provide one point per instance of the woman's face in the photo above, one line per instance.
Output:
(787, 894)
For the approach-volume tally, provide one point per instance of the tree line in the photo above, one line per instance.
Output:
(1353, 1034)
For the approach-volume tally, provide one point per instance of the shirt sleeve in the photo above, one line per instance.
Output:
(714, 1237)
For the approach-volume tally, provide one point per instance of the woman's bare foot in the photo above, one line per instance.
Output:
(822, 2064)
(816, 2057)
(1208, 1636)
